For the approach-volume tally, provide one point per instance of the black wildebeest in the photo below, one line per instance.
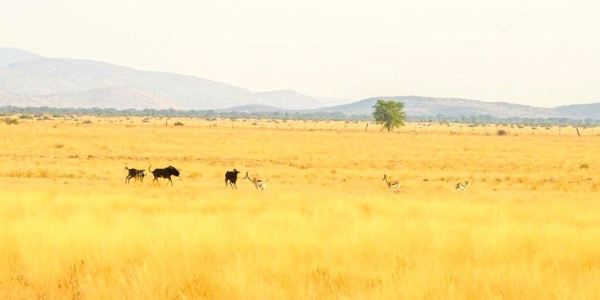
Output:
(231, 177)
(135, 174)
(165, 173)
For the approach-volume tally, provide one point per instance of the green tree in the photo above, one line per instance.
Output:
(389, 113)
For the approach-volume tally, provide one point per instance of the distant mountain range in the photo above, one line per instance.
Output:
(28, 79)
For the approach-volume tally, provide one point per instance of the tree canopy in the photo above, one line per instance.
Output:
(389, 113)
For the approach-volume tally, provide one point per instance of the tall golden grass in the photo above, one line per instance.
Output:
(327, 226)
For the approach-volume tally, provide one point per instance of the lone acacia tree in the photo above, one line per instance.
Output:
(389, 113)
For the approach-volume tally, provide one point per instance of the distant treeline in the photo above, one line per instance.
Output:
(289, 115)
(487, 119)
(172, 113)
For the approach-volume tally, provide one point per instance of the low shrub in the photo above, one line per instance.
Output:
(11, 121)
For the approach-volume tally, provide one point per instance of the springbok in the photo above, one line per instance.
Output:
(461, 186)
(392, 185)
(258, 183)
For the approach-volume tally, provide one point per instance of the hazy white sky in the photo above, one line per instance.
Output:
(537, 52)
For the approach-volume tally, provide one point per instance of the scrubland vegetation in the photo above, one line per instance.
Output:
(327, 226)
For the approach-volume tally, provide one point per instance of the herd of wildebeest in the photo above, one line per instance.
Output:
(232, 176)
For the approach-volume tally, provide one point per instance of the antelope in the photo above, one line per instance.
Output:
(392, 185)
(461, 186)
(258, 183)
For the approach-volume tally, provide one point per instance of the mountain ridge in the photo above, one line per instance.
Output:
(10, 56)
(35, 79)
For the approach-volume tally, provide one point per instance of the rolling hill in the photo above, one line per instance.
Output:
(428, 106)
(580, 111)
(451, 107)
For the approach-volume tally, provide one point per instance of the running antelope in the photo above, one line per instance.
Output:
(393, 185)
(258, 183)
(461, 186)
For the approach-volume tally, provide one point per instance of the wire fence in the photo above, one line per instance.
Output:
(322, 125)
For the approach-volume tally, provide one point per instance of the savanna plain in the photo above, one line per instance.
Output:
(327, 226)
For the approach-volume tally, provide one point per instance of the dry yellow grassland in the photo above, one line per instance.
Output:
(528, 226)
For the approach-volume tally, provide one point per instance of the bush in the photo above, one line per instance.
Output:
(11, 121)
(178, 124)
(502, 132)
